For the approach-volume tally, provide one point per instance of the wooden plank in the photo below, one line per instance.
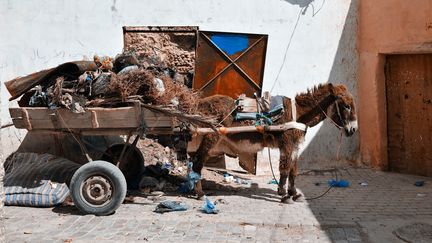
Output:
(15, 112)
(246, 104)
(156, 119)
(156, 29)
(41, 113)
(55, 121)
(18, 123)
(26, 119)
(245, 129)
(102, 132)
(95, 122)
(97, 118)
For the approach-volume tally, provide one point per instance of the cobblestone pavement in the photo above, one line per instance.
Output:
(354, 214)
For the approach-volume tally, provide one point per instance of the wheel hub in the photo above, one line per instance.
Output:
(97, 190)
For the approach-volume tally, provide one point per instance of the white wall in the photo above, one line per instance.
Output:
(38, 34)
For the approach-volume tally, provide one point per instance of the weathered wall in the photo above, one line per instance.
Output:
(386, 27)
(310, 41)
(2, 229)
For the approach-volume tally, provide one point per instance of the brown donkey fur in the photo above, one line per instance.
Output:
(313, 106)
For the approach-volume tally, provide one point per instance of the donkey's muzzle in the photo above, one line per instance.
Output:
(349, 132)
(351, 128)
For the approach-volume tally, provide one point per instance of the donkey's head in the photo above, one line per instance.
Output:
(343, 111)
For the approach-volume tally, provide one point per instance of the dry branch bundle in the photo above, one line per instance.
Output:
(144, 83)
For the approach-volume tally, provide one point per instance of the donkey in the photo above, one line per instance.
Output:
(330, 101)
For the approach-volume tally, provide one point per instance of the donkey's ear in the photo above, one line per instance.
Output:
(331, 88)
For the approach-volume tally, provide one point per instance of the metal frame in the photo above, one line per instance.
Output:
(232, 62)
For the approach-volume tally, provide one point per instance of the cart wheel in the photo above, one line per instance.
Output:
(98, 187)
(132, 165)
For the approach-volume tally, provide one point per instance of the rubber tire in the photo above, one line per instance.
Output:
(109, 171)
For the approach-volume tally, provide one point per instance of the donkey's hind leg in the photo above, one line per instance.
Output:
(284, 166)
(199, 159)
(292, 191)
(197, 167)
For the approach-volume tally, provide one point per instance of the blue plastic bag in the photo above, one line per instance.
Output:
(273, 181)
(209, 207)
(339, 183)
(192, 179)
(419, 183)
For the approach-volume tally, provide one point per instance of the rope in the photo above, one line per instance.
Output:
(82, 146)
(229, 114)
(322, 195)
(325, 114)
(339, 146)
(6, 125)
(336, 171)
(271, 166)
(308, 199)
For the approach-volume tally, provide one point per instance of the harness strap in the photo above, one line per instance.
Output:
(296, 125)
(331, 120)
(293, 109)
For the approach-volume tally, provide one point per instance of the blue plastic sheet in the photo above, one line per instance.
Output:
(230, 43)
(170, 206)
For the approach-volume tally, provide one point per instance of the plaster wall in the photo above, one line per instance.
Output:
(385, 27)
(310, 42)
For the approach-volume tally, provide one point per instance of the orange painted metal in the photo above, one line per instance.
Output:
(220, 72)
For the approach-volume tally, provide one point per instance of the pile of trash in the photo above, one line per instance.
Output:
(163, 170)
(154, 153)
(111, 82)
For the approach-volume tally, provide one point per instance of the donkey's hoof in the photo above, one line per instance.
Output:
(298, 197)
(287, 200)
(281, 191)
(292, 192)
(200, 196)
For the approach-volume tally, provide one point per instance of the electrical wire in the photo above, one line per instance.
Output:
(286, 51)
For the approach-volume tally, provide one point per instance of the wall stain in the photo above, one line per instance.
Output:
(113, 7)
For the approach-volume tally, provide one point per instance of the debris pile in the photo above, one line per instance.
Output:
(162, 166)
(111, 83)
(155, 153)
(169, 49)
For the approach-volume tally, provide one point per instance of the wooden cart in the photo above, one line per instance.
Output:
(98, 187)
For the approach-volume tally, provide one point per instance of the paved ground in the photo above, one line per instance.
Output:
(354, 214)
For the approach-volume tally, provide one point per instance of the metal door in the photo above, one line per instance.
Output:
(229, 63)
(409, 113)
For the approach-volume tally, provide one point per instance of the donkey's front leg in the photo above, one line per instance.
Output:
(292, 191)
(284, 166)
